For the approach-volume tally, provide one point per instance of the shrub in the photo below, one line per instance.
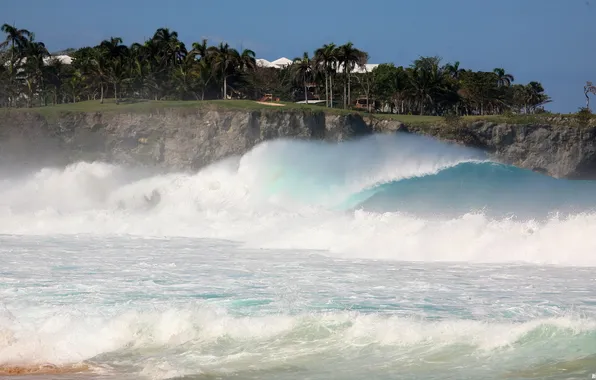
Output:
(452, 119)
(583, 116)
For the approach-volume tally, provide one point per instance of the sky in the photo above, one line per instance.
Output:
(550, 41)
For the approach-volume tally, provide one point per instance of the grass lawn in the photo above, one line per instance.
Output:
(249, 105)
(109, 105)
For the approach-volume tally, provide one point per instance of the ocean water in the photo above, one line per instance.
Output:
(392, 256)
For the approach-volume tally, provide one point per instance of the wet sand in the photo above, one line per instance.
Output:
(44, 369)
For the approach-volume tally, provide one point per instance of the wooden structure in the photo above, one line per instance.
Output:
(367, 104)
(268, 98)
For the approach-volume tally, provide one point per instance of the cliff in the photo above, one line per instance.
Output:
(189, 138)
(556, 150)
(176, 138)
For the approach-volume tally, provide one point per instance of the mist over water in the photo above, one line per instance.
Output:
(388, 255)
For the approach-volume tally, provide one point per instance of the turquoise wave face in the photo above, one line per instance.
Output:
(408, 174)
(479, 186)
(324, 174)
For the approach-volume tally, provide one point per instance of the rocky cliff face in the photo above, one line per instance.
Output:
(559, 151)
(169, 138)
(180, 138)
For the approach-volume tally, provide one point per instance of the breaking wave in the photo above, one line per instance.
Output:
(227, 344)
(398, 197)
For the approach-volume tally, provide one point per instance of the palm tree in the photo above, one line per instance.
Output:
(326, 56)
(98, 68)
(535, 95)
(74, 85)
(247, 60)
(16, 38)
(54, 74)
(113, 47)
(453, 70)
(203, 73)
(200, 49)
(84, 61)
(117, 73)
(203, 69)
(114, 56)
(503, 79)
(143, 70)
(401, 86)
(171, 49)
(34, 67)
(184, 77)
(349, 57)
(146, 68)
(426, 80)
(302, 70)
(225, 60)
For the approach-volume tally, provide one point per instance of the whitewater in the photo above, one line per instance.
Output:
(390, 256)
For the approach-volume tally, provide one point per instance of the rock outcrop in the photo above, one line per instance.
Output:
(559, 151)
(175, 138)
(181, 138)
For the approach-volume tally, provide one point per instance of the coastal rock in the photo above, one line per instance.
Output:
(188, 139)
(178, 139)
(558, 151)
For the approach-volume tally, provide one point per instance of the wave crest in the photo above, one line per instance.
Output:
(396, 197)
(71, 338)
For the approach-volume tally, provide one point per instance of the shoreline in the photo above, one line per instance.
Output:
(35, 371)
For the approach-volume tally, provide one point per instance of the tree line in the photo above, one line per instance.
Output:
(164, 68)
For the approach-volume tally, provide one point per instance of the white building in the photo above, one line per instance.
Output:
(65, 59)
(283, 62)
(278, 63)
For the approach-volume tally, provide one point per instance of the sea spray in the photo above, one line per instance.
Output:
(396, 197)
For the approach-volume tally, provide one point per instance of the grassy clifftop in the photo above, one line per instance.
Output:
(151, 105)
(109, 106)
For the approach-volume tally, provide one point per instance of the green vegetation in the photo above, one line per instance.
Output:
(583, 116)
(170, 74)
(144, 106)
(581, 119)
(149, 106)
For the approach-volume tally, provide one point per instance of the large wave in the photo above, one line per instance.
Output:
(400, 197)
(493, 188)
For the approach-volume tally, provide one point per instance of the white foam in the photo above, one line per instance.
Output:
(67, 337)
(233, 199)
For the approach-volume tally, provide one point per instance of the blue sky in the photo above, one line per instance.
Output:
(551, 41)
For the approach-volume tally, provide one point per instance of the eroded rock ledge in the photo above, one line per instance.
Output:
(181, 138)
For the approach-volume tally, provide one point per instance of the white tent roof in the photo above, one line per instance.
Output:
(65, 59)
(367, 68)
(264, 63)
(281, 62)
(278, 63)
(360, 69)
